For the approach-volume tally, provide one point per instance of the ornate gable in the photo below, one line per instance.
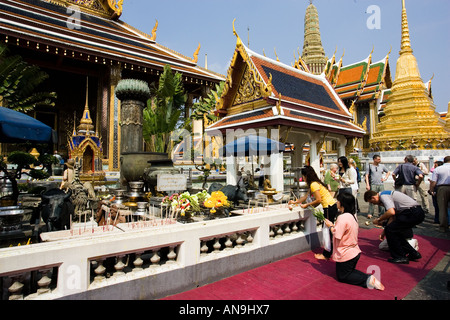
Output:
(111, 9)
(244, 85)
(248, 90)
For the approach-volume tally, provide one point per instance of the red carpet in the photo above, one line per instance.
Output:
(302, 277)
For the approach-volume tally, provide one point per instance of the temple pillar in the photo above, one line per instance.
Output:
(276, 171)
(231, 170)
(374, 116)
(314, 152)
(299, 141)
(342, 144)
(114, 119)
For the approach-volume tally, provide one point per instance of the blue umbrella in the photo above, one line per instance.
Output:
(17, 127)
(253, 146)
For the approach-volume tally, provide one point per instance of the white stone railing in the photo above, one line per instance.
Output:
(152, 263)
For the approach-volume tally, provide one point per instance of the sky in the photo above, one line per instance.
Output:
(350, 25)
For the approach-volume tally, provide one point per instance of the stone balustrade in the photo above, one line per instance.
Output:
(151, 263)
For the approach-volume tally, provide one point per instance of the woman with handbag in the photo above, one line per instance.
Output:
(347, 176)
(346, 252)
(322, 196)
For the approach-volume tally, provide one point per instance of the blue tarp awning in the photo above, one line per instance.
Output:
(17, 127)
(253, 146)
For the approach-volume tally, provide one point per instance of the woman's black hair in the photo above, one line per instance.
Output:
(344, 162)
(311, 176)
(347, 201)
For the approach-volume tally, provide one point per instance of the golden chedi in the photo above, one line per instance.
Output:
(411, 121)
(313, 52)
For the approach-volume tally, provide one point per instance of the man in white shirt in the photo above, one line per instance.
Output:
(440, 186)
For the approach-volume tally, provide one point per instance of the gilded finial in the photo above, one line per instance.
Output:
(276, 54)
(352, 108)
(364, 124)
(155, 28)
(269, 87)
(116, 6)
(343, 54)
(196, 53)
(239, 41)
(278, 106)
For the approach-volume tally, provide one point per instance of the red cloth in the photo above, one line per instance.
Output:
(302, 277)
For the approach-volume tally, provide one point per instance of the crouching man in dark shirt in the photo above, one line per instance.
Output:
(401, 215)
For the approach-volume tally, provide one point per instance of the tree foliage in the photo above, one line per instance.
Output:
(163, 112)
(18, 83)
(205, 106)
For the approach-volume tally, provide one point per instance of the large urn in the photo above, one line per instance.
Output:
(157, 167)
(134, 164)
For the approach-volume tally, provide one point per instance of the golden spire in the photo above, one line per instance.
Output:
(86, 121)
(313, 52)
(406, 40)
(407, 67)
(410, 111)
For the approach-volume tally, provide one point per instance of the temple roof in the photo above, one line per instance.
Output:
(53, 28)
(352, 77)
(289, 117)
(298, 87)
(361, 81)
(287, 96)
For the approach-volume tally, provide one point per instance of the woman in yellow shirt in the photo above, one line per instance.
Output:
(321, 195)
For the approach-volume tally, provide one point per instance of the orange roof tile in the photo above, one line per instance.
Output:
(351, 75)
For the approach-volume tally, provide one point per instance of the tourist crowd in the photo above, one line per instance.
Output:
(398, 210)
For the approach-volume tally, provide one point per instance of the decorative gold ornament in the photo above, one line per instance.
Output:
(410, 111)
(155, 28)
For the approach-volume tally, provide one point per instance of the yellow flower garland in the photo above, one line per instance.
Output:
(217, 200)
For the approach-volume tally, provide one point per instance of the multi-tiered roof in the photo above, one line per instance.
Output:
(91, 31)
(261, 92)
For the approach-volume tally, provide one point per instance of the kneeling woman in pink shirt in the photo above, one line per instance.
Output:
(346, 251)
